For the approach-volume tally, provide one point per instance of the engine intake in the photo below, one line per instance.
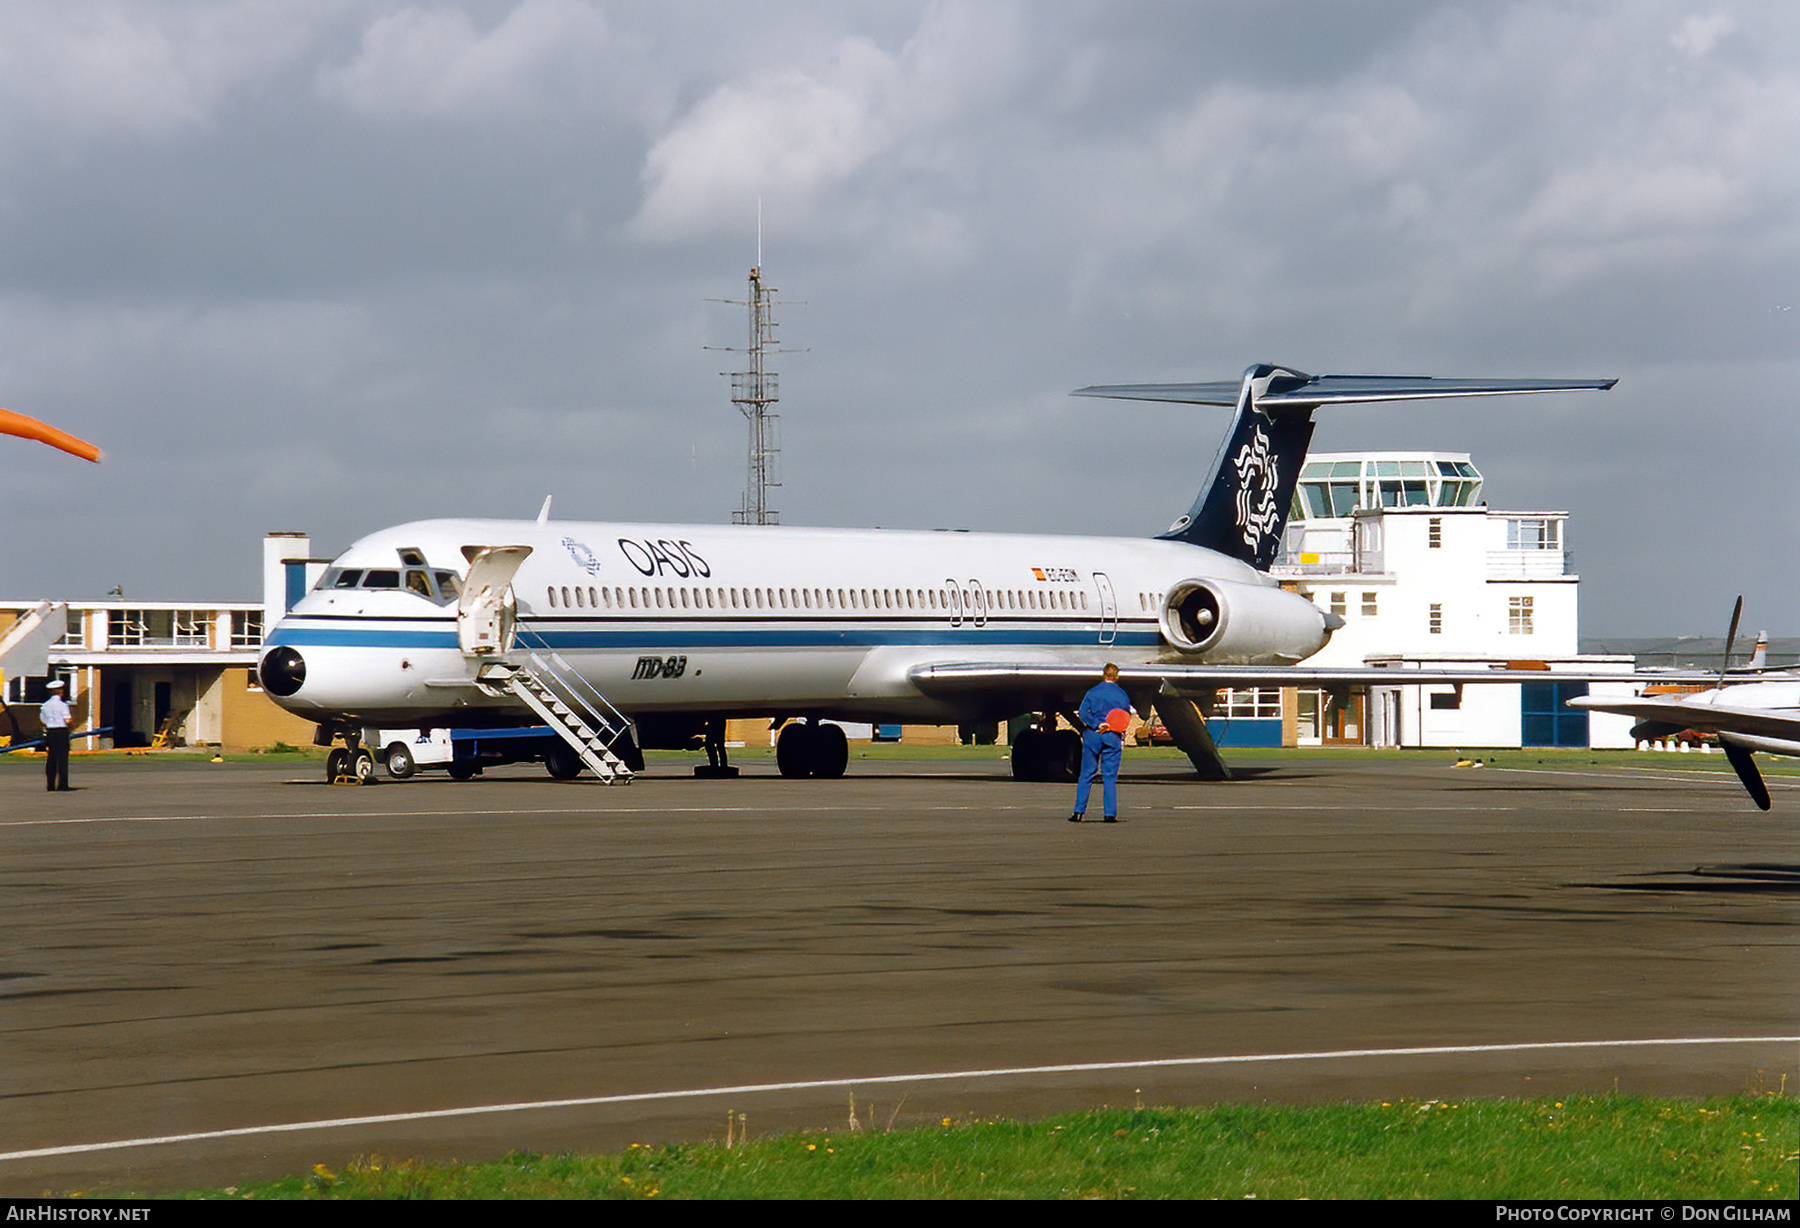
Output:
(283, 671)
(1193, 617)
(1235, 623)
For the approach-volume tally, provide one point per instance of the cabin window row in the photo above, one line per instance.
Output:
(591, 597)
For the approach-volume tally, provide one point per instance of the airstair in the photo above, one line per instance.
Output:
(566, 702)
(25, 645)
(513, 661)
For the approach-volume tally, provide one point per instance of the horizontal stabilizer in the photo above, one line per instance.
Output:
(1219, 392)
(1242, 509)
(1296, 389)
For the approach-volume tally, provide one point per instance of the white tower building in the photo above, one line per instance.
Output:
(1403, 548)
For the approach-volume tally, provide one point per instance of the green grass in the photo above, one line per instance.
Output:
(1743, 1147)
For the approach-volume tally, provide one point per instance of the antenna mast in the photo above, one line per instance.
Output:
(753, 391)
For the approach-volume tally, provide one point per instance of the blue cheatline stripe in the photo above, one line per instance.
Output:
(359, 637)
(665, 637)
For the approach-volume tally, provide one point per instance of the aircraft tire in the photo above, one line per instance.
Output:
(795, 751)
(364, 767)
(1063, 762)
(1028, 755)
(831, 752)
(335, 764)
(562, 762)
(462, 771)
(399, 761)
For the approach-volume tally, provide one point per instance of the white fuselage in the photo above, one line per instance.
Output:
(769, 621)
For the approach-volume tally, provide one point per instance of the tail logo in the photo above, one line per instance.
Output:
(1257, 515)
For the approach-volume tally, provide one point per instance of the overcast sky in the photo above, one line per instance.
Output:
(330, 265)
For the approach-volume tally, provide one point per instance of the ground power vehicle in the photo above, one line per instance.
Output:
(463, 753)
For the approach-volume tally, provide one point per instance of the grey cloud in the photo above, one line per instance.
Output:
(331, 266)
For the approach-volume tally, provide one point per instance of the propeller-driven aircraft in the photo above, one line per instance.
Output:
(625, 636)
(1746, 716)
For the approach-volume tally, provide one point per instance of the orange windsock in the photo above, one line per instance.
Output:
(31, 428)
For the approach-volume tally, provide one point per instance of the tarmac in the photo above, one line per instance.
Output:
(266, 973)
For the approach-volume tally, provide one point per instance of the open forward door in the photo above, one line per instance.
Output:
(487, 610)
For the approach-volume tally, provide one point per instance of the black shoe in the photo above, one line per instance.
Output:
(1076, 817)
(1110, 819)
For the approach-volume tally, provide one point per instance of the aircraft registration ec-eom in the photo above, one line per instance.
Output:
(630, 636)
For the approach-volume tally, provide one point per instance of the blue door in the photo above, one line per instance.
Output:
(1543, 718)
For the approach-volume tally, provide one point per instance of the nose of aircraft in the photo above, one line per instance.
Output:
(283, 671)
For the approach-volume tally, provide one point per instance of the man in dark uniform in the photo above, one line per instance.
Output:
(54, 715)
(1102, 743)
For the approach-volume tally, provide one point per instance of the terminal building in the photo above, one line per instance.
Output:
(163, 673)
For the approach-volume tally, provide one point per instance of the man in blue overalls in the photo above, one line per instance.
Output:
(1102, 742)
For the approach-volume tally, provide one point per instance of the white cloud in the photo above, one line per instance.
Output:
(798, 137)
(1697, 34)
(789, 136)
(435, 62)
(115, 68)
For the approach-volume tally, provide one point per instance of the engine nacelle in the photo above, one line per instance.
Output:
(1242, 624)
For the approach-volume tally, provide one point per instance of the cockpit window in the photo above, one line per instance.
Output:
(441, 587)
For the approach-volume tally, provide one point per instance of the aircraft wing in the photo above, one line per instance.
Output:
(953, 678)
(1181, 692)
(1706, 710)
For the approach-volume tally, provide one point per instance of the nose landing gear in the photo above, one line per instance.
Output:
(350, 764)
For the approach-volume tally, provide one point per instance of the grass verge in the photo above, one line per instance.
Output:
(1593, 1147)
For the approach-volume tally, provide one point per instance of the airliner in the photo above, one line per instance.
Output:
(669, 629)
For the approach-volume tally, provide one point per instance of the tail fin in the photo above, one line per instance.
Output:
(1244, 506)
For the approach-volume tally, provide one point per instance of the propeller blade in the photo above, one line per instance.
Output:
(1737, 612)
(1748, 774)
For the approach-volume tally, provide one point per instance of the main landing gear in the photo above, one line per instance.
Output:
(1046, 753)
(812, 749)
